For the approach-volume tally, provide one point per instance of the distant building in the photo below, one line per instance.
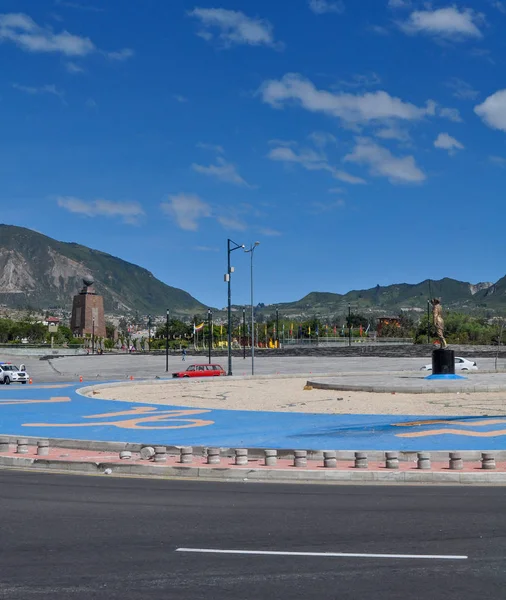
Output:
(88, 312)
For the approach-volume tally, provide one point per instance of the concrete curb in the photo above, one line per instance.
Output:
(258, 453)
(252, 474)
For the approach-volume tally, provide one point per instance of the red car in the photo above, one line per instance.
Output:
(201, 371)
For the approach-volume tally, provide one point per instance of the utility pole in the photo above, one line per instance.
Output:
(349, 325)
(244, 333)
(167, 342)
(228, 276)
(210, 336)
(277, 328)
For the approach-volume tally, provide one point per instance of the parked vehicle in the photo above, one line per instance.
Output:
(9, 373)
(461, 364)
(201, 371)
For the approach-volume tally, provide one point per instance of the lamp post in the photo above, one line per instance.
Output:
(149, 333)
(210, 327)
(276, 341)
(93, 336)
(167, 342)
(230, 270)
(244, 333)
(349, 325)
(251, 251)
(428, 321)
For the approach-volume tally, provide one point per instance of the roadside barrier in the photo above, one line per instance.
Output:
(487, 461)
(300, 458)
(22, 446)
(271, 458)
(361, 460)
(392, 460)
(186, 455)
(213, 456)
(160, 454)
(456, 463)
(241, 456)
(4, 444)
(43, 447)
(423, 461)
(330, 459)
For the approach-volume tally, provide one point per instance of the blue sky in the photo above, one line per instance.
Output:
(361, 143)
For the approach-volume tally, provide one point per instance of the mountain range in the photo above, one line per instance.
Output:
(39, 272)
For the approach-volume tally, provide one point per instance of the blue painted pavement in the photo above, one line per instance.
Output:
(58, 411)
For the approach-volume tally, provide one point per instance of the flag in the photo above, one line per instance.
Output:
(342, 330)
(265, 328)
(309, 330)
(221, 329)
(291, 329)
(361, 330)
(335, 329)
(367, 330)
(198, 327)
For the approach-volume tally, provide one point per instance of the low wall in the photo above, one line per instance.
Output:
(39, 351)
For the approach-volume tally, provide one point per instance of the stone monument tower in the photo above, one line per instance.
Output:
(88, 312)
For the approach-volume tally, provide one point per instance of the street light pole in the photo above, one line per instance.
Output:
(428, 321)
(230, 270)
(149, 333)
(210, 327)
(349, 325)
(251, 251)
(277, 328)
(167, 343)
(93, 336)
(244, 333)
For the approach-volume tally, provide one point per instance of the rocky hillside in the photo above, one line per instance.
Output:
(38, 271)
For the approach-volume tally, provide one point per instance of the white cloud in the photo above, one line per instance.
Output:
(223, 171)
(231, 223)
(446, 23)
(499, 6)
(69, 4)
(452, 114)
(322, 138)
(498, 160)
(129, 212)
(379, 29)
(120, 55)
(493, 110)
(91, 103)
(43, 89)
(269, 232)
(337, 190)
(311, 161)
(22, 30)
(234, 27)
(350, 108)
(73, 68)
(444, 141)
(187, 210)
(382, 163)
(395, 4)
(461, 89)
(179, 98)
(318, 207)
(362, 80)
(393, 133)
(321, 7)
(211, 147)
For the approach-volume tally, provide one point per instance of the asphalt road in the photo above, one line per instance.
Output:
(69, 537)
(109, 367)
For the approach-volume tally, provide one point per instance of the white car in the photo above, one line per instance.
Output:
(9, 373)
(461, 364)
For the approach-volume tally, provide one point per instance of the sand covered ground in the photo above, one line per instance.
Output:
(289, 395)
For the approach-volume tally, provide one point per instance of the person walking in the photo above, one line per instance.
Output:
(184, 354)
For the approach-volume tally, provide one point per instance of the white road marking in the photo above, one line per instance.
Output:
(324, 554)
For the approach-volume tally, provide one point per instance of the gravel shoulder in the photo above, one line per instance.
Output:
(289, 395)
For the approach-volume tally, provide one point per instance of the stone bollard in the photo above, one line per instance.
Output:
(241, 456)
(271, 458)
(487, 461)
(361, 460)
(329, 459)
(43, 447)
(147, 452)
(160, 454)
(22, 446)
(456, 463)
(186, 455)
(300, 458)
(423, 460)
(213, 456)
(392, 460)
(125, 454)
(4, 444)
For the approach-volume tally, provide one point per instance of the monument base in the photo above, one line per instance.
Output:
(443, 362)
(445, 376)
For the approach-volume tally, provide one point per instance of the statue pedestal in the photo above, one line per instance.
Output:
(443, 362)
